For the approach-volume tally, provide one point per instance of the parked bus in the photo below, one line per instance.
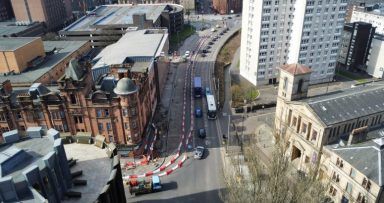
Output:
(211, 107)
(197, 88)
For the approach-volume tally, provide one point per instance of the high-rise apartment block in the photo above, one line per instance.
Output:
(276, 32)
(374, 17)
(51, 12)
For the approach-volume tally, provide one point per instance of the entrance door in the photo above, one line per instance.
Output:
(296, 153)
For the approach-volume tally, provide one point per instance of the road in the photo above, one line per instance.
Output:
(198, 180)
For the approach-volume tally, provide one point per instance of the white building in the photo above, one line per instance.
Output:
(375, 64)
(275, 32)
(376, 18)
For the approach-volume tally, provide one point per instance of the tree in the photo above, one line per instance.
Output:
(273, 183)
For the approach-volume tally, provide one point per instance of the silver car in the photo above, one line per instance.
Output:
(199, 152)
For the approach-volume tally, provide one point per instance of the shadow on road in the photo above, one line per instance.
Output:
(212, 196)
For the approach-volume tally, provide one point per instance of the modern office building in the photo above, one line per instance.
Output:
(114, 96)
(107, 24)
(6, 12)
(50, 12)
(227, 6)
(375, 64)
(355, 46)
(279, 32)
(42, 167)
(374, 17)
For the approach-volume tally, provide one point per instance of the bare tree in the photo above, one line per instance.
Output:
(273, 182)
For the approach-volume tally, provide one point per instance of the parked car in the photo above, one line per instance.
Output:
(198, 112)
(210, 43)
(201, 133)
(199, 152)
(203, 55)
(205, 51)
(207, 91)
(213, 30)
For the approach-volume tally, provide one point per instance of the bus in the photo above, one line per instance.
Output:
(211, 107)
(197, 88)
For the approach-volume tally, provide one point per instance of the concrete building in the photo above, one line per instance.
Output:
(21, 29)
(6, 12)
(355, 46)
(227, 6)
(374, 17)
(36, 168)
(354, 167)
(321, 133)
(115, 98)
(50, 12)
(375, 64)
(187, 4)
(107, 24)
(278, 32)
(28, 60)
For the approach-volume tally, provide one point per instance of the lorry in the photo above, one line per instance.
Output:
(144, 185)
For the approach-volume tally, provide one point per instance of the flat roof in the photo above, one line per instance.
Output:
(96, 167)
(9, 28)
(11, 44)
(30, 75)
(141, 43)
(119, 14)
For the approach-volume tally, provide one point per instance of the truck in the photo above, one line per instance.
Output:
(144, 185)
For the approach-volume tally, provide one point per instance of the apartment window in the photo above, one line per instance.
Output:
(294, 121)
(100, 127)
(314, 135)
(99, 113)
(126, 126)
(335, 177)
(361, 198)
(72, 98)
(19, 115)
(339, 163)
(332, 191)
(106, 112)
(352, 173)
(349, 188)
(109, 127)
(133, 111)
(304, 128)
(78, 119)
(366, 184)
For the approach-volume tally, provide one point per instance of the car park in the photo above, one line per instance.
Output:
(199, 152)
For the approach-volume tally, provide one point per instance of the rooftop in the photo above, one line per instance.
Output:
(367, 157)
(296, 69)
(96, 167)
(348, 104)
(9, 28)
(30, 75)
(7, 44)
(120, 14)
(135, 44)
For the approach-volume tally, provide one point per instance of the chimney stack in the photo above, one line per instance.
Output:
(358, 135)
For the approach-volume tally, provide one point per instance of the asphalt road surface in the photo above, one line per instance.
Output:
(198, 180)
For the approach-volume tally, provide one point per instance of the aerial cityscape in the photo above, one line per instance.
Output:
(238, 101)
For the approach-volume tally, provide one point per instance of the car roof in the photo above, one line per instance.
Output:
(155, 179)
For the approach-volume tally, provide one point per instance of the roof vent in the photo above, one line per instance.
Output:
(379, 142)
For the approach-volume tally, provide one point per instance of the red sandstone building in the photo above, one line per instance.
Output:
(116, 99)
(227, 6)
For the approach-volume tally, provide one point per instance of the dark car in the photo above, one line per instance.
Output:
(199, 152)
(205, 51)
(201, 133)
(214, 39)
(207, 47)
(229, 17)
(222, 33)
(210, 43)
(203, 55)
(198, 112)
(238, 15)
